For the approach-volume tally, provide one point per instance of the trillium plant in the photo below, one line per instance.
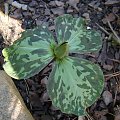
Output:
(74, 83)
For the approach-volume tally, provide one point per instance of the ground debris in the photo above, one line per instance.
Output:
(44, 12)
(111, 17)
(111, 2)
(73, 3)
(107, 97)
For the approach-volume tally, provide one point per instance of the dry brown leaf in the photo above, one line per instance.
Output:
(110, 18)
(99, 114)
(107, 67)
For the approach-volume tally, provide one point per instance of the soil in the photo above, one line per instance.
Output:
(102, 15)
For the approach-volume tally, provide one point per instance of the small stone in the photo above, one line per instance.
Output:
(33, 3)
(107, 97)
(26, 13)
(44, 97)
(59, 3)
(44, 81)
(47, 11)
(81, 118)
(73, 3)
(111, 2)
(58, 10)
(38, 22)
(107, 67)
(87, 16)
(69, 10)
(19, 6)
(52, 3)
(52, 27)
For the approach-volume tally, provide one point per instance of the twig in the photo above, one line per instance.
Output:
(117, 85)
(27, 91)
(89, 117)
(111, 114)
(118, 39)
(74, 118)
(118, 61)
(94, 7)
(113, 74)
(118, 108)
(105, 31)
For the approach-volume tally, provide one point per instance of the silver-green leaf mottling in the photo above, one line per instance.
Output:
(73, 31)
(75, 84)
(29, 54)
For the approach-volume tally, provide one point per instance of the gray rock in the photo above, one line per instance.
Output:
(107, 97)
(12, 106)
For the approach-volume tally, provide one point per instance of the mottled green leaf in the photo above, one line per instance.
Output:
(29, 54)
(73, 30)
(74, 84)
